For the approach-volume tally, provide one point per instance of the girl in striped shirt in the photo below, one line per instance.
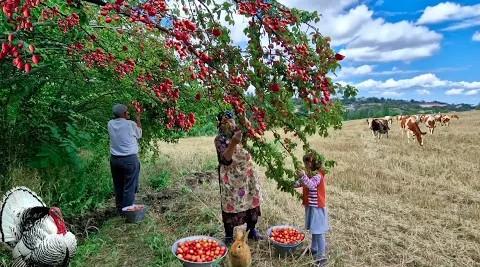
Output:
(316, 213)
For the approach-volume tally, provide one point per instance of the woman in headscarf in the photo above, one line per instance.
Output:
(239, 182)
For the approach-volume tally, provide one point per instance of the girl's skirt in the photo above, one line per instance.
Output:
(316, 220)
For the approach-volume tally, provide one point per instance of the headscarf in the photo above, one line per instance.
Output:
(223, 114)
(220, 117)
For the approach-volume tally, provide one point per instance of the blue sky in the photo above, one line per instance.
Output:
(422, 50)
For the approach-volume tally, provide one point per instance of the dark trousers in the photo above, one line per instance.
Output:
(125, 174)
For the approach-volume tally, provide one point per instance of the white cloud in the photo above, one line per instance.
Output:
(369, 39)
(448, 11)
(425, 80)
(385, 93)
(472, 92)
(355, 71)
(454, 92)
(468, 85)
(476, 36)
(350, 23)
(463, 24)
(423, 92)
(422, 85)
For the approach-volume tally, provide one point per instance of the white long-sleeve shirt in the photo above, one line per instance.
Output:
(123, 137)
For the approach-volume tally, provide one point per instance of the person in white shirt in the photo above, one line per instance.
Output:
(124, 162)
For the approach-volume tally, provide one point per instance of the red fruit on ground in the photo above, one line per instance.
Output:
(287, 235)
(200, 250)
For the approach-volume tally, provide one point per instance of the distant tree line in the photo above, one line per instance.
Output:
(359, 108)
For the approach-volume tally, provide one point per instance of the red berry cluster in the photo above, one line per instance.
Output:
(178, 119)
(166, 89)
(125, 68)
(239, 80)
(178, 46)
(22, 20)
(296, 72)
(137, 107)
(259, 116)
(143, 79)
(9, 49)
(50, 14)
(69, 22)
(236, 102)
(74, 49)
(98, 58)
(148, 9)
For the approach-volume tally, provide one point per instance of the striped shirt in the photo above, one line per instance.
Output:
(311, 184)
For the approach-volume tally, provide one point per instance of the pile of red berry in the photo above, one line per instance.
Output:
(135, 208)
(287, 235)
(200, 250)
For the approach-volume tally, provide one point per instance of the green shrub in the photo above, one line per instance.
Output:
(160, 181)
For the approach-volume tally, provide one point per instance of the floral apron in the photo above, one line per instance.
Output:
(239, 183)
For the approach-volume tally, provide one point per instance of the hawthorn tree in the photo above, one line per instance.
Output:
(171, 55)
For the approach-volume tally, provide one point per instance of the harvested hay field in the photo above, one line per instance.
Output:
(391, 203)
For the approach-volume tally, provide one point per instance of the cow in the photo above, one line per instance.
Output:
(389, 120)
(378, 127)
(445, 120)
(423, 118)
(455, 116)
(430, 122)
(438, 117)
(410, 126)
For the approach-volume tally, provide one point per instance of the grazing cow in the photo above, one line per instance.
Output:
(430, 122)
(378, 127)
(438, 117)
(389, 120)
(399, 118)
(410, 126)
(445, 120)
(423, 118)
(455, 116)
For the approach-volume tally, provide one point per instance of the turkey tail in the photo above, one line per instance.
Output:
(14, 203)
(19, 262)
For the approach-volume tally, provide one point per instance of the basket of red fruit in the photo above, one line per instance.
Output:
(134, 213)
(199, 251)
(285, 238)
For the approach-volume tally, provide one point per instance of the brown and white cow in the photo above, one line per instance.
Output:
(445, 120)
(410, 126)
(430, 122)
(455, 116)
(438, 117)
(423, 118)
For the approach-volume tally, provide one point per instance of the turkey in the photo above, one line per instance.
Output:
(36, 234)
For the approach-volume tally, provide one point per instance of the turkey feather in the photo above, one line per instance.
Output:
(19, 262)
(14, 203)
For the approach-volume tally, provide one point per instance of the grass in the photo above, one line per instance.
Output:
(391, 203)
